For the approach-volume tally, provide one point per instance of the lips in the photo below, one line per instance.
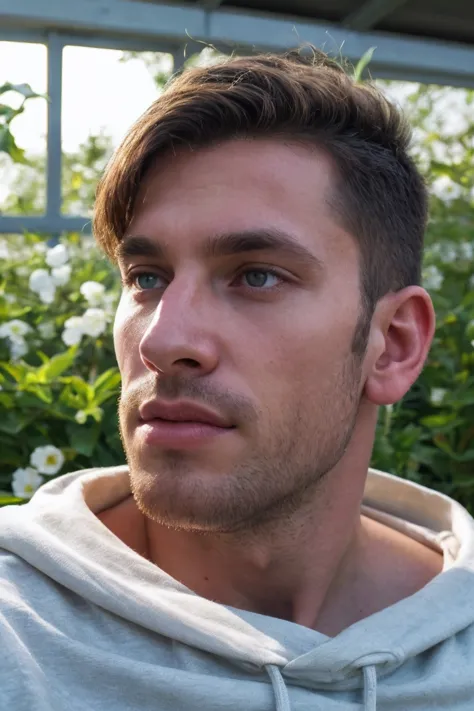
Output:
(181, 412)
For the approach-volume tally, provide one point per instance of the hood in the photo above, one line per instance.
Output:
(58, 534)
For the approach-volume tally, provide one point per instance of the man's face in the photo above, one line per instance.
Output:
(260, 335)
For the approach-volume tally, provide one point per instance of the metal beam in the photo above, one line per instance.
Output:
(135, 44)
(211, 4)
(21, 35)
(370, 13)
(438, 62)
(44, 225)
(54, 90)
(123, 17)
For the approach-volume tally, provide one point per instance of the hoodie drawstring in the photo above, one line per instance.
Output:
(283, 700)
(279, 688)
(370, 687)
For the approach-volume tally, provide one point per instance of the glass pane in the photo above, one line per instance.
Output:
(104, 92)
(23, 135)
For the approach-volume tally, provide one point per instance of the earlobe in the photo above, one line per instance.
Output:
(405, 324)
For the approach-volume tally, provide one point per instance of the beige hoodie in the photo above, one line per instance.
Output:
(88, 624)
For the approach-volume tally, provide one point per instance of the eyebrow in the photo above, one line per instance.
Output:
(223, 245)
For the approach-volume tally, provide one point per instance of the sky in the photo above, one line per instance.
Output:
(99, 91)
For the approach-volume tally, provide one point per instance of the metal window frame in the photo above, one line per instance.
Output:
(53, 222)
(143, 26)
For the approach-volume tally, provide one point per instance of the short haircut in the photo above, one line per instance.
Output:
(379, 195)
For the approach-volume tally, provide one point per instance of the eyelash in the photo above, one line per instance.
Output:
(129, 279)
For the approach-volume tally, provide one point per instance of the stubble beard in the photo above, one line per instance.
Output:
(284, 467)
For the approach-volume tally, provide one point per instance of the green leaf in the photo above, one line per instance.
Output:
(42, 392)
(106, 386)
(23, 89)
(8, 145)
(17, 371)
(436, 422)
(7, 499)
(6, 400)
(8, 112)
(42, 356)
(83, 438)
(363, 62)
(107, 380)
(14, 422)
(57, 365)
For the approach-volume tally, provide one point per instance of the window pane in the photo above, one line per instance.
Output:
(22, 186)
(104, 92)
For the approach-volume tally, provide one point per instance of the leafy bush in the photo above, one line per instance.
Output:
(58, 375)
(429, 435)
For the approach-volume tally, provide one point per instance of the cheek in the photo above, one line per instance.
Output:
(127, 336)
(303, 360)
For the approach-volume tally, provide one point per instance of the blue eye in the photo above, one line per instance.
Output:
(258, 278)
(146, 280)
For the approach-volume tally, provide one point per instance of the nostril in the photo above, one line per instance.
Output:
(189, 362)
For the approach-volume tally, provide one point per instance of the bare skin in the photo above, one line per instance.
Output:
(390, 567)
(267, 516)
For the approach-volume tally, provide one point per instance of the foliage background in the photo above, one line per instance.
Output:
(428, 437)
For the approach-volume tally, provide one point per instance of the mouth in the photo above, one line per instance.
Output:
(180, 434)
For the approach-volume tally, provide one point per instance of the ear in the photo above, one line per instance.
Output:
(402, 330)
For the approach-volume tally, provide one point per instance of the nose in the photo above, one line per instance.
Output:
(179, 338)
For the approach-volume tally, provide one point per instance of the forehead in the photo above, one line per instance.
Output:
(242, 185)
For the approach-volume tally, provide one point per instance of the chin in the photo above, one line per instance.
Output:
(184, 498)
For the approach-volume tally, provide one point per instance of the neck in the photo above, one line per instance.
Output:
(288, 568)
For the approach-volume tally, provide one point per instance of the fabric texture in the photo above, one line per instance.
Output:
(88, 624)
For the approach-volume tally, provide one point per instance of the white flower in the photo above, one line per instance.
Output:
(42, 284)
(47, 460)
(80, 417)
(93, 292)
(38, 279)
(57, 256)
(14, 331)
(110, 304)
(445, 188)
(61, 275)
(22, 271)
(466, 250)
(432, 278)
(18, 347)
(437, 395)
(40, 248)
(47, 295)
(94, 322)
(25, 482)
(14, 328)
(4, 250)
(73, 331)
(88, 245)
(47, 330)
(447, 253)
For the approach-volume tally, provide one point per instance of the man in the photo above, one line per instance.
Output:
(268, 224)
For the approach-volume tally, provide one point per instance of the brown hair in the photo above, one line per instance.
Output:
(380, 196)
